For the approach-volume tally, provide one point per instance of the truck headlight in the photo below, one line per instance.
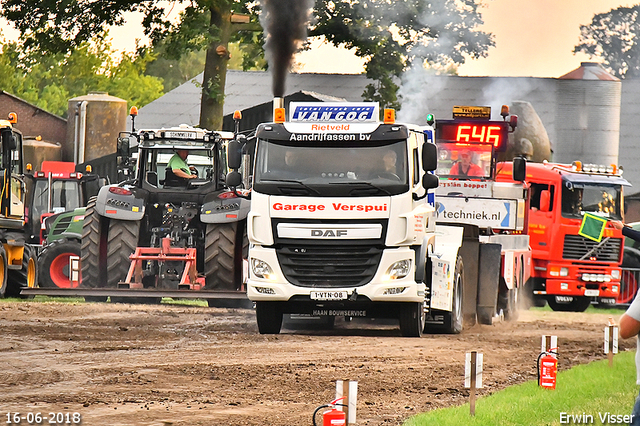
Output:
(399, 269)
(564, 272)
(261, 269)
(615, 274)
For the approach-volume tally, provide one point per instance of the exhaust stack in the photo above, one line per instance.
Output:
(278, 110)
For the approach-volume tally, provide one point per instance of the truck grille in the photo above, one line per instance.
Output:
(329, 266)
(576, 246)
(61, 226)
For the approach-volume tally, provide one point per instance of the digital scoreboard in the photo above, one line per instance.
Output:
(495, 133)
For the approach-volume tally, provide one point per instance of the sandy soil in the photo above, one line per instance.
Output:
(119, 364)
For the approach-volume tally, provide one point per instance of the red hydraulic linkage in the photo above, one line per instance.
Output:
(165, 253)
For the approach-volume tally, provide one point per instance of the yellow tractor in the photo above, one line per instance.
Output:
(18, 264)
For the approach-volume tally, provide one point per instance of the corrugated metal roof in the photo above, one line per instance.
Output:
(244, 89)
(589, 71)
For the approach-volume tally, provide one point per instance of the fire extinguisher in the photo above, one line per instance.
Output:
(331, 417)
(548, 369)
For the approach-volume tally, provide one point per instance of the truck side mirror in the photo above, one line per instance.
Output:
(545, 200)
(234, 155)
(430, 181)
(429, 157)
(519, 169)
(234, 179)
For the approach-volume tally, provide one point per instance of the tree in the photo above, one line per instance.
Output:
(391, 34)
(395, 35)
(613, 36)
(49, 80)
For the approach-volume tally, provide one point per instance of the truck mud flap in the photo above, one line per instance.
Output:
(489, 278)
(470, 252)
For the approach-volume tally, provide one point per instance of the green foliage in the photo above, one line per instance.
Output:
(590, 389)
(613, 37)
(50, 80)
(395, 35)
(392, 35)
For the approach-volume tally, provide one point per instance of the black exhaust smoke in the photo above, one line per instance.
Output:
(285, 25)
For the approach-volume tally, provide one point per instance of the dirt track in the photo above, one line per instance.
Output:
(118, 364)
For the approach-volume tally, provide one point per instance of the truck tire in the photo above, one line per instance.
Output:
(26, 276)
(54, 263)
(93, 259)
(453, 320)
(412, 319)
(578, 304)
(269, 317)
(3, 271)
(508, 301)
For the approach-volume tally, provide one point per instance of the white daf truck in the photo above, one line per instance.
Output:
(342, 221)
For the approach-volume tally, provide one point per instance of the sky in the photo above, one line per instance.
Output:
(534, 38)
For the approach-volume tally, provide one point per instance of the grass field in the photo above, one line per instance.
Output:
(592, 390)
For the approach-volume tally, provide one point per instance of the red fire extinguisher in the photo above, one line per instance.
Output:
(547, 369)
(331, 417)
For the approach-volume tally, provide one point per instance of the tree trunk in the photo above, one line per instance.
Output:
(215, 69)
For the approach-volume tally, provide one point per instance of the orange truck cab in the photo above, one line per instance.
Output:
(570, 271)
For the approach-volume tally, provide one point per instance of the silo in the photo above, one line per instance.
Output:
(35, 151)
(94, 122)
(588, 116)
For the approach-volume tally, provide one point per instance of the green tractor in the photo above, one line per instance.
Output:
(61, 252)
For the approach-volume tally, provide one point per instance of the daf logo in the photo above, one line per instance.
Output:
(328, 232)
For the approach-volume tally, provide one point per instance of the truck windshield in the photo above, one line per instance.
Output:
(331, 169)
(601, 200)
(464, 161)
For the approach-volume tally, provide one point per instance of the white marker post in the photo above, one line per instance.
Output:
(348, 389)
(550, 344)
(611, 342)
(472, 377)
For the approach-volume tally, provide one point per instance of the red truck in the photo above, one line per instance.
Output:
(570, 271)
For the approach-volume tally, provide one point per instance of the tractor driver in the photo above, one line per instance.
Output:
(179, 167)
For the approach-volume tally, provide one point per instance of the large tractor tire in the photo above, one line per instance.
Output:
(54, 264)
(226, 246)
(26, 276)
(122, 242)
(93, 259)
(3, 272)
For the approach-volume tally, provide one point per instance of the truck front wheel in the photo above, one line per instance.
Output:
(412, 319)
(269, 317)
